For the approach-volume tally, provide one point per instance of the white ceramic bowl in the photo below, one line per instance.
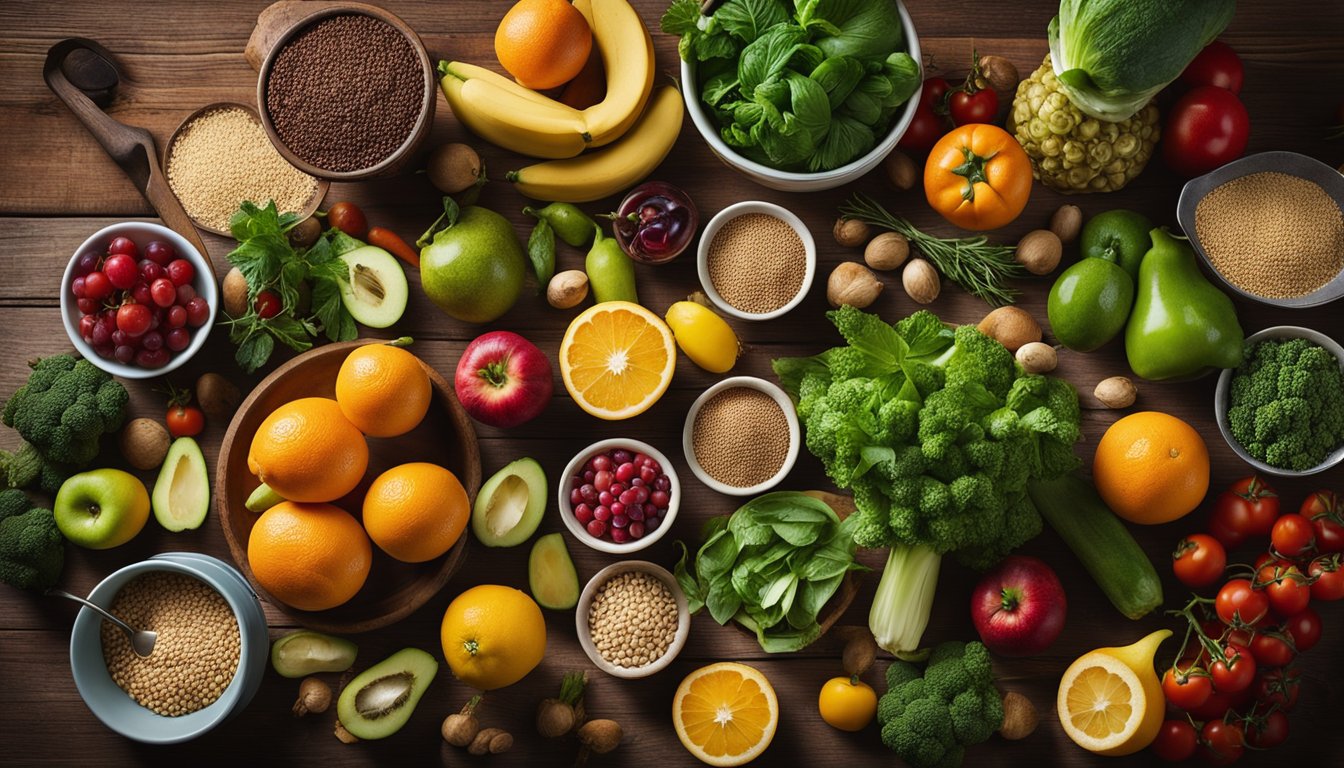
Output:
(793, 181)
(603, 545)
(760, 385)
(742, 209)
(1221, 394)
(586, 602)
(141, 232)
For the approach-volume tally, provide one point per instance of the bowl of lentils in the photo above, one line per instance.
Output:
(632, 619)
(756, 260)
(207, 662)
(347, 93)
(741, 436)
(619, 496)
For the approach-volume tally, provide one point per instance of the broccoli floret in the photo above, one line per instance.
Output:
(1286, 403)
(929, 720)
(900, 672)
(65, 407)
(978, 359)
(976, 715)
(32, 550)
(922, 734)
(26, 468)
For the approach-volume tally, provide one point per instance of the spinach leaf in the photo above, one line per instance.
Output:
(796, 133)
(767, 55)
(838, 76)
(722, 600)
(681, 18)
(860, 28)
(903, 72)
(749, 19)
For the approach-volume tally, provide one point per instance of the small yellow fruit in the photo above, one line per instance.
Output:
(493, 636)
(847, 703)
(703, 336)
(1110, 701)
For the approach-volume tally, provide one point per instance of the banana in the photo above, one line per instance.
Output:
(599, 174)
(627, 56)
(465, 71)
(509, 120)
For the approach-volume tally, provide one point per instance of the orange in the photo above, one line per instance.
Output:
(616, 359)
(493, 636)
(1151, 467)
(306, 450)
(416, 512)
(726, 713)
(543, 43)
(383, 390)
(310, 556)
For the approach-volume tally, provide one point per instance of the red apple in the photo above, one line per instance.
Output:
(503, 379)
(1019, 607)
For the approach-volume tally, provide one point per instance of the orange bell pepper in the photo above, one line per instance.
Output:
(978, 177)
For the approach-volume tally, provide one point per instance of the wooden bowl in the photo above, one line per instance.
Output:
(394, 589)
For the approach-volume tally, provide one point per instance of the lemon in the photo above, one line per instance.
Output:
(703, 336)
(1110, 700)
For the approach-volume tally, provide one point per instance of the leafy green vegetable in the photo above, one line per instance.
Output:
(1113, 56)
(541, 252)
(771, 566)
(268, 262)
(32, 549)
(62, 411)
(1286, 403)
(811, 85)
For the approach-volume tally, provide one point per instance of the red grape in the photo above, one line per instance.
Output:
(177, 316)
(163, 292)
(86, 263)
(178, 339)
(124, 354)
(146, 358)
(123, 246)
(149, 271)
(152, 340)
(120, 270)
(160, 252)
(97, 286)
(185, 293)
(181, 272)
(198, 312)
(77, 287)
(133, 319)
(86, 324)
(87, 306)
(140, 293)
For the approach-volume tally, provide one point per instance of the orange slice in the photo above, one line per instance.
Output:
(726, 713)
(617, 359)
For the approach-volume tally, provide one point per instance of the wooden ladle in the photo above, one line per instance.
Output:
(132, 148)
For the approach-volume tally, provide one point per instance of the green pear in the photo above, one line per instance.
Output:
(471, 263)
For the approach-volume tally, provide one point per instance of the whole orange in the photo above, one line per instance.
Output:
(543, 43)
(310, 556)
(416, 512)
(306, 450)
(1151, 467)
(493, 636)
(383, 390)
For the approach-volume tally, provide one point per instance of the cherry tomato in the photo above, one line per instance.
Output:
(1187, 686)
(1305, 629)
(1269, 732)
(1207, 128)
(1219, 704)
(1293, 536)
(1217, 65)
(1325, 509)
(1327, 578)
(924, 130)
(1239, 604)
(1272, 649)
(1278, 688)
(1176, 741)
(1247, 508)
(1221, 743)
(1285, 586)
(979, 107)
(935, 89)
(1199, 560)
(348, 218)
(1237, 672)
(267, 304)
(185, 420)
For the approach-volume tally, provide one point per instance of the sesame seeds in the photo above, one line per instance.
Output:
(633, 619)
(741, 437)
(757, 263)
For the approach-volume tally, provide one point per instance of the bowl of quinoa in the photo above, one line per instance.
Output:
(756, 260)
(632, 619)
(208, 660)
(741, 436)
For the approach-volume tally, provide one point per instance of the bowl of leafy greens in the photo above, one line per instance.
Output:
(799, 95)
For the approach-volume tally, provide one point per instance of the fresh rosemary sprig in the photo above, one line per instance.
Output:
(980, 267)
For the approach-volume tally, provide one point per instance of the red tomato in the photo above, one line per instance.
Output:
(185, 420)
(934, 93)
(1199, 560)
(1207, 128)
(1220, 704)
(1293, 536)
(1327, 578)
(924, 130)
(1285, 586)
(1187, 687)
(1217, 65)
(348, 218)
(1272, 649)
(1325, 509)
(1239, 604)
(267, 304)
(1176, 741)
(1278, 688)
(978, 107)
(1269, 732)
(1247, 508)
(1221, 743)
(1236, 672)
(1305, 629)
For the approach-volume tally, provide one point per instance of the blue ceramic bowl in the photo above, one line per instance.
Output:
(115, 707)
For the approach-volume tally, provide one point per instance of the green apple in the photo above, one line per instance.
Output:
(101, 509)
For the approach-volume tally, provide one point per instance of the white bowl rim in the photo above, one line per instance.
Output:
(741, 209)
(204, 277)
(611, 547)
(1221, 393)
(790, 415)
(586, 602)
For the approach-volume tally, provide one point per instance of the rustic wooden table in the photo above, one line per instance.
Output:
(180, 55)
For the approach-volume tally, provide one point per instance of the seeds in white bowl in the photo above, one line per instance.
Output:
(757, 263)
(632, 619)
(740, 437)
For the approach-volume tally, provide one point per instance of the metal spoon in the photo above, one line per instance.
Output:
(142, 640)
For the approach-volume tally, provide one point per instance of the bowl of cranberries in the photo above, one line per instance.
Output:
(619, 495)
(138, 300)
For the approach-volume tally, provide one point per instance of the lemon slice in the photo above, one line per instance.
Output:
(725, 714)
(617, 359)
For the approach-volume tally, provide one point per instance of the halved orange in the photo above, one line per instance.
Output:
(726, 713)
(617, 359)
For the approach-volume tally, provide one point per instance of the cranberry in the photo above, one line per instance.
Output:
(625, 471)
(602, 480)
(617, 508)
(575, 498)
(619, 521)
(663, 483)
(122, 246)
(583, 513)
(660, 499)
(635, 529)
(605, 498)
(588, 476)
(634, 511)
(619, 536)
(647, 473)
(616, 489)
(601, 462)
(651, 523)
(620, 456)
(596, 528)
(602, 513)
(588, 493)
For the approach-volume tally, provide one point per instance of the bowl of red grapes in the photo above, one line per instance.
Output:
(619, 495)
(138, 300)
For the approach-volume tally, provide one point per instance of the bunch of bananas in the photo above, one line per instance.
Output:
(524, 121)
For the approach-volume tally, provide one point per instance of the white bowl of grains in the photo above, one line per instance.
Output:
(604, 508)
(741, 436)
(1270, 226)
(756, 260)
(632, 619)
(208, 660)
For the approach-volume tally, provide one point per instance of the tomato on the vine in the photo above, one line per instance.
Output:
(1239, 604)
(935, 88)
(1247, 508)
(925, 128)
(1327, 578)
(185, 420)
(1235, 671)
(1199, 560)
(1219, 704)
(1272, 649)
(1221, 743)
(1176, 741)
(1325, 510)
(1187, 687)
(1285, 586)
(972, 107)
(1293, 535)
(1305, 629)
(1271, 731)
(1278, 688)
(1207, 128)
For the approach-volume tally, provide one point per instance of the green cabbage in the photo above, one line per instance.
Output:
(1112, 56)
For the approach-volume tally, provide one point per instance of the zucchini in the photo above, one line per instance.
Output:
(1072, 507)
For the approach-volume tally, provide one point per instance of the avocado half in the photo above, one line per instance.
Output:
(379, 701)
(376, 292)
(509, 507)
(181, 496)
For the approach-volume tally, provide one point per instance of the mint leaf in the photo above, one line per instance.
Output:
(681, 18)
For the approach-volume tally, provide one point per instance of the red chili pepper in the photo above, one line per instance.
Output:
(392, 243)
